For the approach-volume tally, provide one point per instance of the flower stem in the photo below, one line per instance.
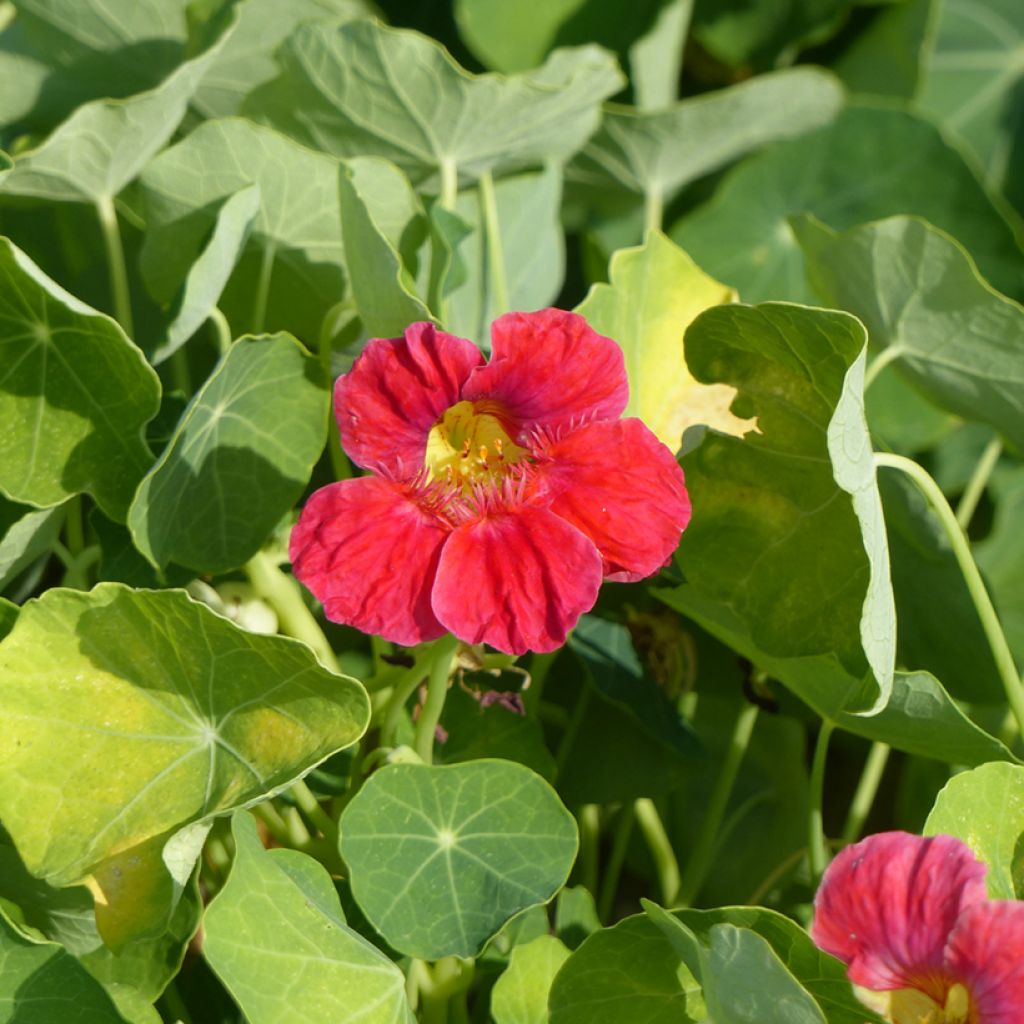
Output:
(116, 264)
(437, 692)
(495, 253)
(979, 479)
(864, 797)
(620, 843)
(665, 863)
(972, 577)
(699, 864)
(282, 593)
(817, 844)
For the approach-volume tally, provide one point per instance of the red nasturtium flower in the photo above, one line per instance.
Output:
(503, 491)
(911, 919)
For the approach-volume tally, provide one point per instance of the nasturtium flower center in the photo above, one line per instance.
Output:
(470, 445)
(912, 1006)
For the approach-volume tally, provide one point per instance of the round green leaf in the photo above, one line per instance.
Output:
(441, 857)
(985, 809)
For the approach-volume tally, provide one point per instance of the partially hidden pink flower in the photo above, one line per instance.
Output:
(911, 919)
(502, 493)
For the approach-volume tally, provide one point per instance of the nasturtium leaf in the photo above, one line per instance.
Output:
(280, 906)
(985, 808)
(296, 228)
(790, 540)
(520, 995)
(628, 974)
(749, 953)
(22, 77)
(239, 459)
(247, 60)
(360, 89)
(531, 242)
(25, 534)
(383, 291)
(920, 297)
(41, 983)
(655, 293)
(441, 857)
(656, 56)
(8, 616)
(871, 162)
(1001, 557)
(654, 154)
(939, 628)
(74, 395)
(211, 271)
(973, 79)
(575, 915)
(104, 144)
(165, 714)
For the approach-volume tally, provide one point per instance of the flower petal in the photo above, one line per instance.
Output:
(549, 368)
(887, 905)
(622, 487)
(395, 392)
(369, 554)
(517, 579)
(986, 951)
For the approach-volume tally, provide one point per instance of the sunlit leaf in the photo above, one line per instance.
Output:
(520, 995)
(25, 534)
(280, 906)
(239, 460)
(441, 857)
(74, 395)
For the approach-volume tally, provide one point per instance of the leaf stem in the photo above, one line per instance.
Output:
(449, 184)
(405, 687)
(620, 843)
(653, 210)
(495, 253)
(880, 362)
(259, 305)
(437, 691)
(665, 863)
(867, 788)
(588, 820)
(972, 577)
(569, 736)
(74, 532)
(817, 844)
(221, 329)
(310, 807)
(116, 264)
(703, 852)
(979, 480)
(282, 593)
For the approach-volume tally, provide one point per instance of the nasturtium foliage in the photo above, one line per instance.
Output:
(75, 394)
(441, 857)
(520, 995)
(281, 905)
(238, 459)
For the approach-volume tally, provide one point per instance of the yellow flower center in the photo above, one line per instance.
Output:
(911, 1006)
(470, 445)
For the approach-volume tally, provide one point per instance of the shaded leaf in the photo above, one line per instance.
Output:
(654, 294)
(361, 89)
(25, 534)
(240, 458)
(872, 162)
(280, 905)
(441, 857)
(520, 995)
(74, 395)
(985, 809)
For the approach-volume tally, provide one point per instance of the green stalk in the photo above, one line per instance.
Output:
(406, 686)
(653, 210)
(74, 531)
(972, 577)
(437, 692)
(880, 362)
(259, 305)
(620, 843)
(449, 184)
(276, 825)
(221, 330)
(589, 822)
(571, 730)
(310, 806)
(817, 844)
(116, 264)
(665, 863)
(282, 593)
(495, 254)
(867, 788)
(701, 858)
(979, 480)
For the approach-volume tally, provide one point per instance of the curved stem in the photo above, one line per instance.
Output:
(495, 253)
(817, 844)
(116, 264)
(437, 692)
(282, 593)
(972, 577)
(665, 863)
(979, 479)
(864, 797)
(880, 362)
(449, 184)
(701, 857)
(222, 330)
(620, 843)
